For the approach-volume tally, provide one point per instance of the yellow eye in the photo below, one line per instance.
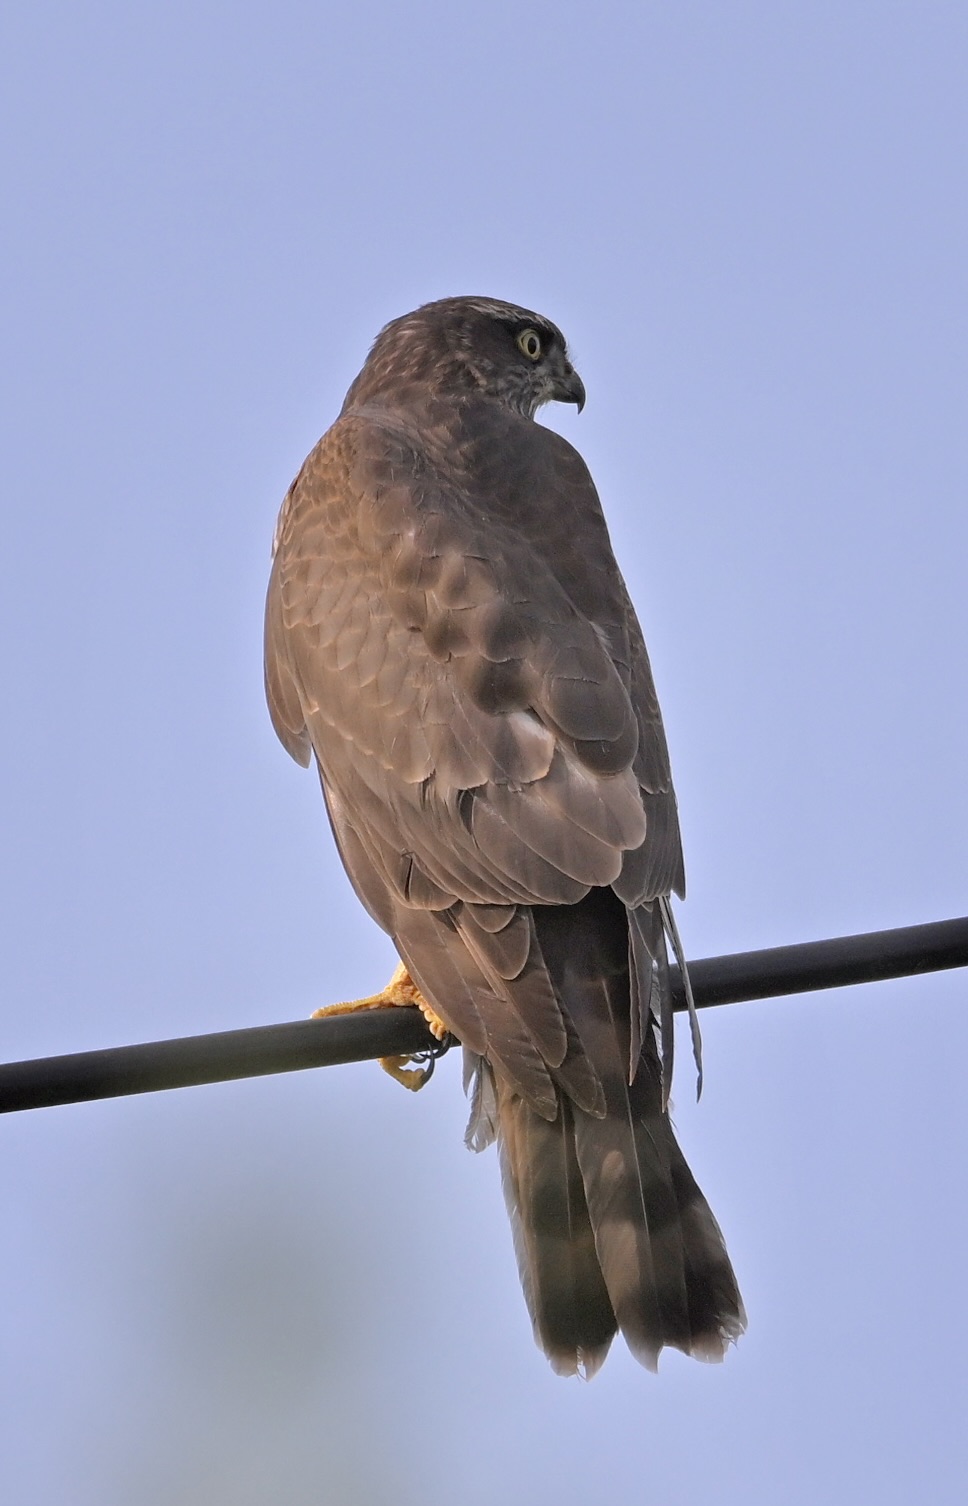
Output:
(529, 343)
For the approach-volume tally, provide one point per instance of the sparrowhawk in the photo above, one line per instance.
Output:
(448, 635)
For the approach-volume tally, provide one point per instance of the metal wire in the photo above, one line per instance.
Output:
(292, 1047)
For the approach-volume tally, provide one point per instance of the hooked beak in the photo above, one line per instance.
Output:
(569, 387)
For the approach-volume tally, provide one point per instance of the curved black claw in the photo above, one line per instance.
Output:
(428, 1059)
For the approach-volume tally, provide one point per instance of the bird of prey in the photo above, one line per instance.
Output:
(448, 635)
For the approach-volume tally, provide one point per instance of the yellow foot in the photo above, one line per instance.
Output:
(401, 990)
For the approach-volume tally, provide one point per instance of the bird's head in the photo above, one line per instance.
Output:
(473, 346)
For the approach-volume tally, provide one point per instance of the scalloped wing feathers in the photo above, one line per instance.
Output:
(448, 633)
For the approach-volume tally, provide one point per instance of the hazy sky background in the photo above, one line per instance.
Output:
(751, 221)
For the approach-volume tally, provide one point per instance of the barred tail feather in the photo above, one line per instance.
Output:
(611, 1230)
(553, 1238)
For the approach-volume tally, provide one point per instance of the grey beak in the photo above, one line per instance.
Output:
(570, 388)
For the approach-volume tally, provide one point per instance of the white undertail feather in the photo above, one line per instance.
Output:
(672, 930)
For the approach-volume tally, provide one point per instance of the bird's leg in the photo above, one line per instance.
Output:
(401, 989)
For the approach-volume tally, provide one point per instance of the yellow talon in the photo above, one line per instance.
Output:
(401, 990)
(399, 1068)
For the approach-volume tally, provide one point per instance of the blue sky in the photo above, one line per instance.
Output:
(750, 220)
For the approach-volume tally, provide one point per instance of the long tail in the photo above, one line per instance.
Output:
(610, 1229)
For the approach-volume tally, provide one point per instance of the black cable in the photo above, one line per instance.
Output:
(265, 1049)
